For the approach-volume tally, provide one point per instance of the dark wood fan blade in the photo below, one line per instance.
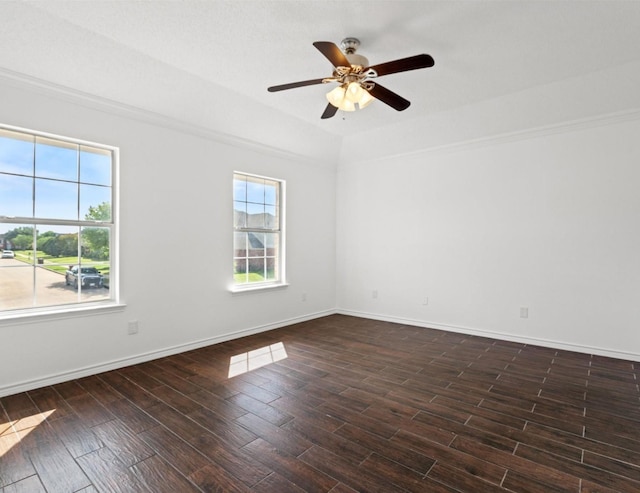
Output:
(293, 85)
(389, 97)
(329, 111)
(333, 53)
(404, 64)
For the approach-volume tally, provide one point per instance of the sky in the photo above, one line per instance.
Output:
(48, 178)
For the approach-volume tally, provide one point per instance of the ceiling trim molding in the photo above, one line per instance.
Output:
(504, 138)
(123, 110)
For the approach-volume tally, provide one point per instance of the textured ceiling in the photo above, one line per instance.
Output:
(208, 63)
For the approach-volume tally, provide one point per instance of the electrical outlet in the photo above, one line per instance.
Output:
(132, 327)
(304, 297)
(524, 312)
(425, 301)
(374, 294)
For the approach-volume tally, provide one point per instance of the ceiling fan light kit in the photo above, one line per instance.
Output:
(349, 97)
(355, 76)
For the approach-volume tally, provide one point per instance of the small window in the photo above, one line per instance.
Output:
(257, 239)
(57, 220)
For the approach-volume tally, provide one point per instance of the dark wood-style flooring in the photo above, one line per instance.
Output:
(356, 405)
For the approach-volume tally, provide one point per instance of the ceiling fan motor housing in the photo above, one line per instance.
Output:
(349, 46)
(360, 60)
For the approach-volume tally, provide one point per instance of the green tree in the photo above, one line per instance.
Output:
(22, 241)
(95, 241)
(68, 245)
(48, 245)
(59, 245)
(21, 231)
(100, 212)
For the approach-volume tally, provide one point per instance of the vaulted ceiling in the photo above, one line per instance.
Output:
(501, 66)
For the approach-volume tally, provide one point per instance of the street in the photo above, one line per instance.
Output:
(16, 287)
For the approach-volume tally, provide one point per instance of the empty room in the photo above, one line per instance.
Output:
(319, 246)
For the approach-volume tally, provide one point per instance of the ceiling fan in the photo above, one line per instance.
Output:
(355, 77)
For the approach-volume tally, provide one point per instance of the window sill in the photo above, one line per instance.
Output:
(51, 314)
(257, 288)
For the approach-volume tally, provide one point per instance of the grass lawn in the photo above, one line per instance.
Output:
(253, 277)
(60, 264)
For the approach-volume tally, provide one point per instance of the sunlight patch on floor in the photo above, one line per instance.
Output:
(13, 432)
(245, 362)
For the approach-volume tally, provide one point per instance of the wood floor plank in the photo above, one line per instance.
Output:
(358, 478)
(300, 473)
(90, 411)
(69, 389)
(77, 438)
(156, 474)
(47, 400)
(176, 382)
(274, 483)
(238, 463)
(101, 391)
(31, 484)
(175, 399)
(521, 482)
(217, 404)
(527, 438)
(517, 463)
(587, 444)
(215, 448)
(344, 413)
(131, 415)
(310, 432)
(25, 419)
(214, 478)
(14, 462)
(277, 436)
(130, 390)
(123, 443)
(229, 432)
(13, 404)
(299, 408)
(603, 477)
(392, 475)
(387, 448)
(566, 422)
(174, 450)
(49, 456)
(109, 474)
(461, 480)
(472, 464)
(270, 413)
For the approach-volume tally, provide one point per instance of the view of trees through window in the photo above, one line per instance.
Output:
(56, 221)
(257, 229)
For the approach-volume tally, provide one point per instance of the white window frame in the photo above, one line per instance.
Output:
(113, 300)
(280, 280)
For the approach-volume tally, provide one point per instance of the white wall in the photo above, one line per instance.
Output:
(176, 243)
(545, 220)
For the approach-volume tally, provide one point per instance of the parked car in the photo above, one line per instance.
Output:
(8, 254)
(89, 277)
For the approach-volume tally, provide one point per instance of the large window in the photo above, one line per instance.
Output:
(258, 230)
(57, 225)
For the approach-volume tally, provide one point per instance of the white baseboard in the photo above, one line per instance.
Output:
(496, 335)
(151, 355)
